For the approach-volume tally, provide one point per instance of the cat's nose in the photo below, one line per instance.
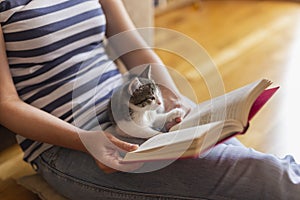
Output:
(158, 102)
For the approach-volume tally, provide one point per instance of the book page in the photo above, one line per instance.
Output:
(178, 136)
(233, 105)
(184, 143)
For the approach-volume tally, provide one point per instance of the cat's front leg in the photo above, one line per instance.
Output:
(162, 118)
(175, 114)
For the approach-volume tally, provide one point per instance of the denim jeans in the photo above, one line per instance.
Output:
(228, 171)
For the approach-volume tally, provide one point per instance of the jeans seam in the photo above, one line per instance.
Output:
(115, 193)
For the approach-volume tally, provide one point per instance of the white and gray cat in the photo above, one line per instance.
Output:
(136, 108)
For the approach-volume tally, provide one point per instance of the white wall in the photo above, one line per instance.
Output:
(142, 14)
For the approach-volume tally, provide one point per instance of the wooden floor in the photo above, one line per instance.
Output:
(12, 167)
(247, 40)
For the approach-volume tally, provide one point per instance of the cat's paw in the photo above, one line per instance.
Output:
(176, 114)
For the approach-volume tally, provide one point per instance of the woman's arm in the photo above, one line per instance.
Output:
(118, 21)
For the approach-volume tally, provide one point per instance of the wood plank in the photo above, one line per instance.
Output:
(12, 164)
(10, 190)
(13, 167)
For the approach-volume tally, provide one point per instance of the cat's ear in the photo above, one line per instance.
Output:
(146, 73)
(134, 85)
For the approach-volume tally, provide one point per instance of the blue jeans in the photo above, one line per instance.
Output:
(229, 171)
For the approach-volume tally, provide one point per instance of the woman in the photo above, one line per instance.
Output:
(49, 49)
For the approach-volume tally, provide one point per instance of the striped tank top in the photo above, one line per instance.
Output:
(58, 62)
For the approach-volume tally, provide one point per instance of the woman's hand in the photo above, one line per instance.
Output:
(108, 157)
(171, 101)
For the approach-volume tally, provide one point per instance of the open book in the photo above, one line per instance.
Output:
(209, 124)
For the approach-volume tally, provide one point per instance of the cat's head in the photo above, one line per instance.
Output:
(144, 93)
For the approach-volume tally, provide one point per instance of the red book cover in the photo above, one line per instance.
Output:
(261, 101)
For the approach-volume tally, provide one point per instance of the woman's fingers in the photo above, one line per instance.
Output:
(110, 160)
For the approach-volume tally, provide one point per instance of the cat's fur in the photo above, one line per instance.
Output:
(136, 108)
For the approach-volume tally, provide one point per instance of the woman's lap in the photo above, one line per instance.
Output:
(229, 171)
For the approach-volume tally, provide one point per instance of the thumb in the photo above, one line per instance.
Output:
(121, 144)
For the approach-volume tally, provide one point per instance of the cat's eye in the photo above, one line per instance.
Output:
(150, 99)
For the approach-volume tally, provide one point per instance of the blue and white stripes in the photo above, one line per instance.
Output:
(57, 59)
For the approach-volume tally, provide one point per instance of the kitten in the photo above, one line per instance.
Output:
(136, 108)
